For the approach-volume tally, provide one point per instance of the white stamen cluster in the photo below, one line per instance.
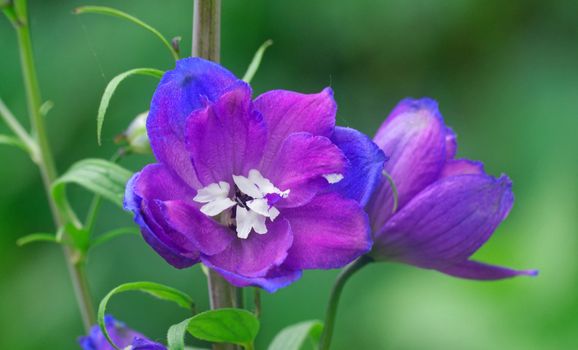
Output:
(251, 205)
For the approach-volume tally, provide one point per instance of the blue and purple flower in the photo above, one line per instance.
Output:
(120, 334)
(447, 208)
(256, 190)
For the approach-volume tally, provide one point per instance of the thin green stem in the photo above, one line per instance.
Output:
(340, 282)
(18, 129)
(74, 258)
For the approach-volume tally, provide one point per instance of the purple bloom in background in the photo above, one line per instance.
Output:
(256, 190)
(447, 208)
(120, 334)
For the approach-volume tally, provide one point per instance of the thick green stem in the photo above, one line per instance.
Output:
(207, 44)
(343, 277)
(207, 29)
(45, 161)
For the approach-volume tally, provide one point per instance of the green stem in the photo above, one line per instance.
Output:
(207, 29)
(18, 130)
(74, 258)
(343, 277)
(207, 44)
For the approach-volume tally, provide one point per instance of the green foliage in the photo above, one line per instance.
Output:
(13, 141)
(109, 11)
(107, 236)
(155, 289)
(235, 326)
(300, 336)
(256, 61)
(176, 335)
(99, 176)
(37, 237)
(111, 88)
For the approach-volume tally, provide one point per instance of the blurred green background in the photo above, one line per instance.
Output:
(504, 72)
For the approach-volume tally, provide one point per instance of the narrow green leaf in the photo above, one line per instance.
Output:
(111, 88)
(234, 326)
(37, 237)
(155, 289)
(107, 236)
(393, 190)
(256, 62)
(109, 11)
(295, 336)
(99, 176)
(13, 141)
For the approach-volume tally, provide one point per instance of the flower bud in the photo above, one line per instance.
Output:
(136, 135)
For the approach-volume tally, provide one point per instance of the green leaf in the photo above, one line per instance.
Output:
(234, 326)
(13, 141)
(111, 88)
(107, 236)
(296, 337)
(256, 62)
(109, 11)
(37, 237)
(155, 289)
(176, 335)
(99, 176)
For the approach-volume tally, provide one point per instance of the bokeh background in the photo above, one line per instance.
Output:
(504, 72)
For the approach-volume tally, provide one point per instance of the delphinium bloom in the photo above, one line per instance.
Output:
(447, 208)
(256, 190)
(120, 334)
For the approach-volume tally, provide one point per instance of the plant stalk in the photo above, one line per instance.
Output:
(74, 259)
(340, 282)
(207, 45)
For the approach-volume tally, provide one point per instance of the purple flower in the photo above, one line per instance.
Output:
(256, 190)
(120, 334)
(447, 208)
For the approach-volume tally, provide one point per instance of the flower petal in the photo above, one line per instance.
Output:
(276, 278)
(256, 255)
(145, 344)
(155, 181)
(462, 167)
(479, 271)
(446, 222)
(248, 220)
(209, 236)
(226, 138)
(300, 164)
(118, 332)
(414, 138)
(286, 112)
(451, 143)
(328, 232)
(365, 164)
(180, 92)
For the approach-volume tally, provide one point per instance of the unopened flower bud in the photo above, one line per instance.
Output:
(136, 135)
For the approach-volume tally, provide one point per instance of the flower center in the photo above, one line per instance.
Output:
(251, 204)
